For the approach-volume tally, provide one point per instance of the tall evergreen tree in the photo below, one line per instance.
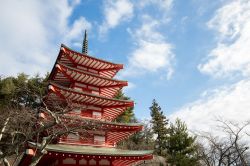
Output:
(182, 150)
(140, 140)
(159, 127)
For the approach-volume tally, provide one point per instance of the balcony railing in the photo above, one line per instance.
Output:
(83, 115)
(75, 141)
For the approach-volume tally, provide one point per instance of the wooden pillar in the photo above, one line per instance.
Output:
(111, 162)
(60, 161)
(77, 161)
(87, 162)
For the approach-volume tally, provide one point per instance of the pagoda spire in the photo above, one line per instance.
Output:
(85, 43)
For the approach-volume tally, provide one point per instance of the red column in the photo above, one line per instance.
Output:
(111, 163)
(60, 161)
(77, 161)
(87, 162)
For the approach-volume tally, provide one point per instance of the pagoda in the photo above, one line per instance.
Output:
(88, 85)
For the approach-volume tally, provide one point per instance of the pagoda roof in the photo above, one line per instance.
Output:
(105, 68)
(109, 87)
(116, 132)
(107, 125)
(92, 150)
(124, 126)
(119, 131)
(114, 126)
(88, 98)
(111, 107)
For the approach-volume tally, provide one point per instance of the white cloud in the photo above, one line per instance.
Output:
(232, 54)
(148, 30)
(116, 12)
(230, 58)
(152, 54)
(229, 103)
(129, 87)
(31, 33)
(75, 33)
(151, 57)
(162, 4)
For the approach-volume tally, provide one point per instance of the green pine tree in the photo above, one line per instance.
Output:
(127, 116)
(159, 127)
(22, 90)
(181, 146)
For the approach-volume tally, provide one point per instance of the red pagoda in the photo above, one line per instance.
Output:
(89, 84)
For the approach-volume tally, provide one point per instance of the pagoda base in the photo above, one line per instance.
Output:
(73, 155)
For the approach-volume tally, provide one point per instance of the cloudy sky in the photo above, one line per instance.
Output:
(192, 56)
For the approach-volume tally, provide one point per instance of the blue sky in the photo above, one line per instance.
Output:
(192, 56)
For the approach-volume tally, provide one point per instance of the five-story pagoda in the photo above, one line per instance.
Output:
(88, 84)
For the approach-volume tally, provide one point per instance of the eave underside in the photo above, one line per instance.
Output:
(114, 133)
(101, 151)
(104, 68)
(111, 107)
(109, 114)
(82, 97)
(66, 75)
